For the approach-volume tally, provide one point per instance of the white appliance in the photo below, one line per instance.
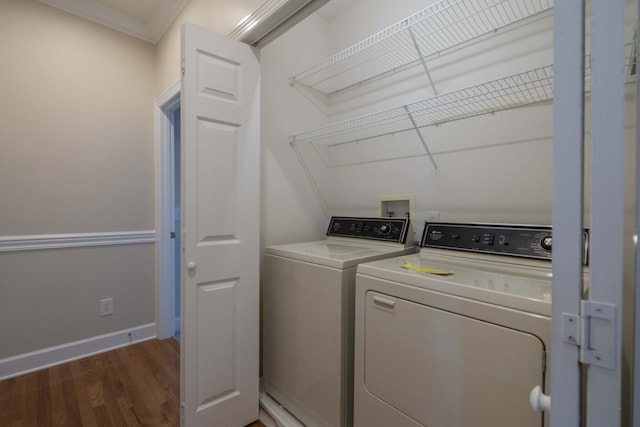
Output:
(308, 298)
(459, 349)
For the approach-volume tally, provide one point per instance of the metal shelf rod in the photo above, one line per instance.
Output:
(424, 143)
(424, 63)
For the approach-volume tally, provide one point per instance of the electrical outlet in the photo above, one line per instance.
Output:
(106, 307)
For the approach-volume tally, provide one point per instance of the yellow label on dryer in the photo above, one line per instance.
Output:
(412, 267)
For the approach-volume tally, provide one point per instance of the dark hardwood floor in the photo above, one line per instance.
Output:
(137, 385)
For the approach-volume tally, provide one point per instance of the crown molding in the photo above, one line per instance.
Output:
(271, 19)
(150, 31)
(164, 16)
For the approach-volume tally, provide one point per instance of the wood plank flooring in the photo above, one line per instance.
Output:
(137, 385)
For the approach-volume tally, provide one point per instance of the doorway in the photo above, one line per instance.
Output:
(176, 234)
(168, 214)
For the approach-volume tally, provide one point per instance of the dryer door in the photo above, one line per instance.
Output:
(445, 369)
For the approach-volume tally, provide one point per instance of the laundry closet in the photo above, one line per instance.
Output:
(351, 115)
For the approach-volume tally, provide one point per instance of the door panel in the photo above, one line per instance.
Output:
(216, 306)
(217, 158)
(220, 207)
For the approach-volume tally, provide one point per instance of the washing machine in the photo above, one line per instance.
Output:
(308, 314)
(458, 334)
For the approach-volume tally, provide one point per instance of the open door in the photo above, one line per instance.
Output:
(220, 209)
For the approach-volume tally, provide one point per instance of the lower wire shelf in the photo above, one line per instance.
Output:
(527, 88)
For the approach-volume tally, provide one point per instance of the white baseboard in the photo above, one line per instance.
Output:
(276, 412)
(40, 359)
(266, 419)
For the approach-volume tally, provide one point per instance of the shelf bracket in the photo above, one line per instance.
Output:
(307, 172)
(424, 143)
(424, 63)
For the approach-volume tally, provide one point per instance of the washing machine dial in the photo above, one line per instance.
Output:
(385, 229)
(546, 243)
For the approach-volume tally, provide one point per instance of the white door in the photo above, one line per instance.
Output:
(220, 212)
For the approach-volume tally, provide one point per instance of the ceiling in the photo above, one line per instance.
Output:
(141, 10)
(149, 19)
(145, 19)
(334, 8)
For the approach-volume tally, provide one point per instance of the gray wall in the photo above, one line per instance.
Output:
(76, 157)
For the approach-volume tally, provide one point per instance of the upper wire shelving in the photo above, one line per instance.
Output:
(517, 90)
(415, 39)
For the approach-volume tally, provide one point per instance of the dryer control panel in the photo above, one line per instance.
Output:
(385, 229)
(516, 240)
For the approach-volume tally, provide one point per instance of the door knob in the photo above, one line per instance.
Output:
(538, 400)
(191, 265)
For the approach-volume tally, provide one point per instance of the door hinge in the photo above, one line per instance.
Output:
(593, 331)
(182, 66)
(172, 235)
(182, 408)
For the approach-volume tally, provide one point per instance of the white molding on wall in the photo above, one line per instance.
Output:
(74, 240)
(272, 18)
(276, 412)
(149, 31)
(40, 359)
(168, 99)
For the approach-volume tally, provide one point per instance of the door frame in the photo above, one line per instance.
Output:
(164, 136)
(601, 352)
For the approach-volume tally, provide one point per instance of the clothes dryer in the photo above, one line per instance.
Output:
(457, 335)
(308, 306)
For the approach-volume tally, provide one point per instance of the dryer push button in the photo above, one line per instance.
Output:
(488, 238)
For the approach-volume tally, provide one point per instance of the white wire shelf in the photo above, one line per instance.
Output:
(517, 90)
(530, 87)
(431, 31)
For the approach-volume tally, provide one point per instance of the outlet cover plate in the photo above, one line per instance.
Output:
(106, 307)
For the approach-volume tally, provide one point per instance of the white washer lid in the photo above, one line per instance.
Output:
(337, 253)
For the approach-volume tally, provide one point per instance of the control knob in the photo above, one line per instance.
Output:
(385, 229)
(546, 243)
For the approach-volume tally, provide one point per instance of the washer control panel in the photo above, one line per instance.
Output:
(386, 229)
(516, 240)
